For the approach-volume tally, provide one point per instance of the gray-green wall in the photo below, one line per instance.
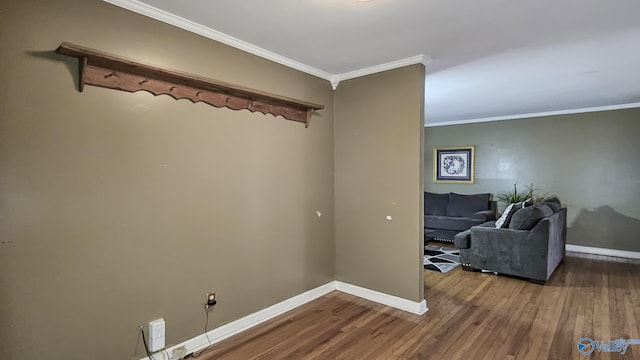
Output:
(591, 161)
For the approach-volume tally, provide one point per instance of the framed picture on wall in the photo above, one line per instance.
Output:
(454, 164)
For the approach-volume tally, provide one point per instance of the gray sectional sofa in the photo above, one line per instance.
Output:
(530, 245)
(447, 214)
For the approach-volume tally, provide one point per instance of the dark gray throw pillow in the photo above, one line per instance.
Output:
(435, 204)
(553, 203)
(467, 205)
(527, 217)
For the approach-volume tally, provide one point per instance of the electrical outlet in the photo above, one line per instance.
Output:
(211, 300)
(155, 339)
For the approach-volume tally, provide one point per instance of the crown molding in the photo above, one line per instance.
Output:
(188, 25)
(418, 59)
(171, 19)
(539, 114)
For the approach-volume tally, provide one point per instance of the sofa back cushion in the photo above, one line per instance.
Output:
(467, 205)
(527, 217)
(435, 204)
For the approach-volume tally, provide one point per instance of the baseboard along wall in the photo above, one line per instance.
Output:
(223, 332)
(603, 251)
(417, 308)
(216, 335)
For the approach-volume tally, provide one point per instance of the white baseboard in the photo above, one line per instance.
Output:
(225, 331)
(603, 251)
(382, 298)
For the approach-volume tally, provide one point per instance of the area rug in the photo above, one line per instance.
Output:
(441, 259)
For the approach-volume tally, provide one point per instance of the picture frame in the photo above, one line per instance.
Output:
(454, 164)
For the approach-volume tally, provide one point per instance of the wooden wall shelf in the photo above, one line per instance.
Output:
(105, 70)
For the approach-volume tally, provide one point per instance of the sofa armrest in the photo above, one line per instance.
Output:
(508, 251)
(462, 240)
(552, 228)
(484, 215)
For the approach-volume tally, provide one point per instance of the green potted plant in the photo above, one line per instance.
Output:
(515, 196)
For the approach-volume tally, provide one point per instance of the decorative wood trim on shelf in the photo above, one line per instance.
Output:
(109, 71)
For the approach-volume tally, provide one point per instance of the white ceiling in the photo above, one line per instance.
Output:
(487, 59)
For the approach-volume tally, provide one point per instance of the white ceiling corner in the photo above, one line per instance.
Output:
(185, 24)
(492, 59)
(419, 59)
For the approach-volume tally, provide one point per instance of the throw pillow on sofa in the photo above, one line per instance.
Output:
(505, 219)
(527, 217)
(553, 203)
(467, 205)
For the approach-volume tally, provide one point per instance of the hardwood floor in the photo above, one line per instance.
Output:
(471, 316)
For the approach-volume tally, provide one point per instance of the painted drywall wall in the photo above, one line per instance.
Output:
(378, 160)
(591, 161)
(119, 208)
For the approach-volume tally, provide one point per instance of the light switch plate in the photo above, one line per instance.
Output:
(156, 335)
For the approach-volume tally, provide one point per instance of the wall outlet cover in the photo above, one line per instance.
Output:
(156, 335)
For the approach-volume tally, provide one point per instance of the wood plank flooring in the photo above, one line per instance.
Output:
(471, 316)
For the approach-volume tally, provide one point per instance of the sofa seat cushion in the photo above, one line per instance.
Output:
(527, 217)
(435, 204)
(450, 223)
(467, 205)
